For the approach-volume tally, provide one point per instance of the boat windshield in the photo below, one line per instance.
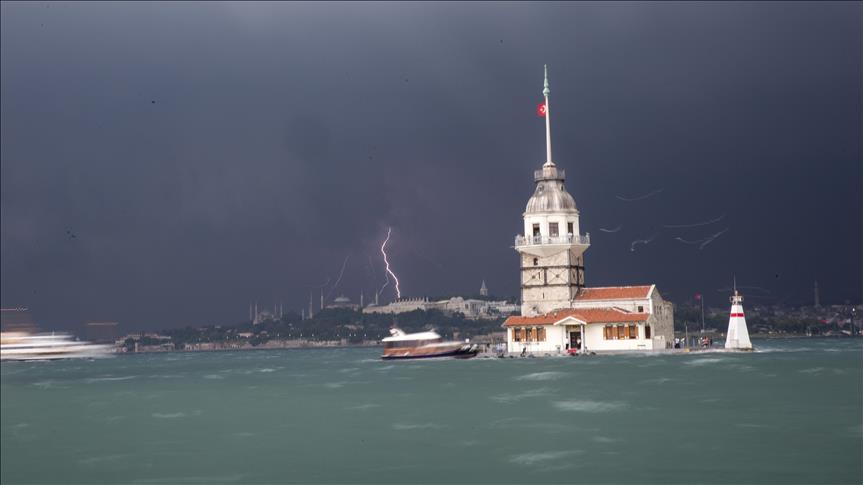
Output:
(400, 344)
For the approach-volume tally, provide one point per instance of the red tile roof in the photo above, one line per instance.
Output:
(587, 315)
(613, 293)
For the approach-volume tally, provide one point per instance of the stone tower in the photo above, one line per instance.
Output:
(551, 247)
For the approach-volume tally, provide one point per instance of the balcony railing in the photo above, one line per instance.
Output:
(536, 240)
(549, 173)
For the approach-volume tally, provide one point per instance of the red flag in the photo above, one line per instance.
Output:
(698, 296)
(540, 110)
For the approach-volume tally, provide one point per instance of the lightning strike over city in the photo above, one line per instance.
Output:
(176, 177)
(387, 263)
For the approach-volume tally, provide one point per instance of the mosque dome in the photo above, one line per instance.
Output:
(342, 299)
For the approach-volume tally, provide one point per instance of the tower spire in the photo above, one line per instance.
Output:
(545, 92)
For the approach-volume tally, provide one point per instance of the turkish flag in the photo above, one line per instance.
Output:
(698, 296)
(540, 110)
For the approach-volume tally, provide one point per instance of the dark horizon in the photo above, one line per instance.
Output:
(165, 165)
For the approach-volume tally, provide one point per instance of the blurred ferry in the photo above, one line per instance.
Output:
(424, 345)
(27, 346)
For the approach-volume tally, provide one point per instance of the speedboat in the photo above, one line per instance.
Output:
(26, 346)
(424, 345)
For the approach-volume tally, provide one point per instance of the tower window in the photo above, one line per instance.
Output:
(536, 229)
(536, 261)
(640, 309)
(569, 228)
(552, 229)
(647, 331)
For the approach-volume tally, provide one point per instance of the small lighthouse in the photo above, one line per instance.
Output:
(738, 336)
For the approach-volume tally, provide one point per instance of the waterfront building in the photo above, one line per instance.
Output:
(471, 308)
(558, 311)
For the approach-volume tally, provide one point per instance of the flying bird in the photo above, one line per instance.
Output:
(696, 224)
(641, 197)
(641, 241)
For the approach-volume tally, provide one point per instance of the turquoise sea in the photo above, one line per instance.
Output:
(790, 413)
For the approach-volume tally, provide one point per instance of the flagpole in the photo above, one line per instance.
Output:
(546, 92)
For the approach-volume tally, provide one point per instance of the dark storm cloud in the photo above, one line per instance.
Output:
(205, 155)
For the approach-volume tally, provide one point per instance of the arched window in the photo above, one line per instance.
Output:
(536, 261)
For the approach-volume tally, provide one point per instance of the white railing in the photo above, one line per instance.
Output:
(568, 239)
(553, 173)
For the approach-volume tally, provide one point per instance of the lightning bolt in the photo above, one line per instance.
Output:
(339, 279)
(387, 262)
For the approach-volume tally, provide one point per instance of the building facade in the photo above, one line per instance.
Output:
(559, 312)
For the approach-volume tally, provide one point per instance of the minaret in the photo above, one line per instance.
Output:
(483, 290)
(311, 306)
(551, 247)
(737, 336)
(322, 299)
(361, 300)
(817, 296)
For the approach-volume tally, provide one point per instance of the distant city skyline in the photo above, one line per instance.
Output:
(165, 164)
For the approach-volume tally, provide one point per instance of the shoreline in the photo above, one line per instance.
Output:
(337, 345)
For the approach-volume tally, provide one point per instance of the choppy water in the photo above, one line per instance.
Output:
(790, 414)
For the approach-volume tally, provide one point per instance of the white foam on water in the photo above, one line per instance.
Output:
(658, 380)
(213, 376)
(589, 406)
(604, 439)
(176, 415)
(169, 415)
(813, 370)
(704, 361)
(349, 369)
(334, 385)
(514, 397)
(266, 369)
(751, 425)
(364, 407)
(410, 426)
(542, 376)
(538, 458)
(108, 379)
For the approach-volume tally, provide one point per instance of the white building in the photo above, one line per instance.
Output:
(558, 312)
(472, 309)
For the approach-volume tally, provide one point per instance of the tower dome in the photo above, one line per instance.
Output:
(550, 194)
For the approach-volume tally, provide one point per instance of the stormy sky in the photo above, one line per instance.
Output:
(164, 164)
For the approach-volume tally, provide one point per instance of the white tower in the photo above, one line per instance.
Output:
(551, 247)
(483, 290)
(738, 335)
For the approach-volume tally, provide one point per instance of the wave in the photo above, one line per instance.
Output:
(704, 361)
(108, 379)
(410, 426)
(513, 397)
(589, 406)
(542, 376)
(535, 458)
